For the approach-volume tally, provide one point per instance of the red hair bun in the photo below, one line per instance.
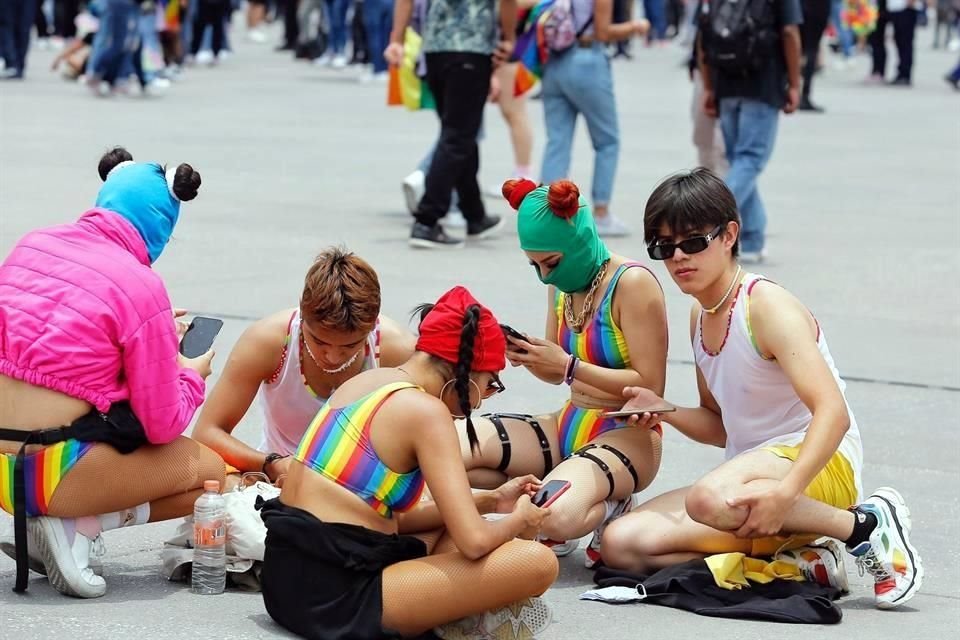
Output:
(564, 199)
(516, 190)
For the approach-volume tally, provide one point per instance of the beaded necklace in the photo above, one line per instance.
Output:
(727, 332)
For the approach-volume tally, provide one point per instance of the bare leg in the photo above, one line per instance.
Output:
(425, 593)
(581, 509)
(170, 477)
(514, 110)
(696, 521)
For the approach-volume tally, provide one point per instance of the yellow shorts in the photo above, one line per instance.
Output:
(834, 485)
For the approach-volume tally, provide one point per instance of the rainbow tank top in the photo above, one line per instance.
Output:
(600, 342)
(337, 445)
(43, 471)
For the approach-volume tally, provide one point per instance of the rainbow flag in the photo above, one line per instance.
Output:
(531, 51)
(406, 87)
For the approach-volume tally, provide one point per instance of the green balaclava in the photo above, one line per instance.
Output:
(540, 229)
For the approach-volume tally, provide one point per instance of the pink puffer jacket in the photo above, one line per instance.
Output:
(82, 313)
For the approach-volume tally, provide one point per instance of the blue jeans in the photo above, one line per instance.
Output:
(378, 20)
(749, 131)
(579, 81)
(15, 24)
(955, 74)
(844, 35)
(656, 12)
(116, 41)
(337, 15)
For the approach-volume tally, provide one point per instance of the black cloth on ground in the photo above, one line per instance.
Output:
(324, 580)
(690, 586)
(119, 427)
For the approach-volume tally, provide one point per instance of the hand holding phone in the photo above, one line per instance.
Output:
(549, 493)
(638, 412)
(200, 336)
(516, 335)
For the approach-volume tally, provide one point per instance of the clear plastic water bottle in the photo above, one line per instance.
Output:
(209, 573)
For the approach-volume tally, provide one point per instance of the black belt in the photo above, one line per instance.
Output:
(43, 437)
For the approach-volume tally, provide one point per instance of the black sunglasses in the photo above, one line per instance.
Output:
(494, 387)
(696, 244)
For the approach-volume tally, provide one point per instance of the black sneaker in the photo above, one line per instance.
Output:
(424, 237)
(806, 105)
(901, 82)
(486, 228)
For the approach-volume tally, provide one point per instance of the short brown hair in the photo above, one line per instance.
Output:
(690, 201)
(341, 292)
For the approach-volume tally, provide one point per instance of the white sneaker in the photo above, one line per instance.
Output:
(66, 557)
(205, 58)
(381, 77)
(523, 620)
(413, 187)
(323, 61)
(821, 563)
(256, 35)
(224, 55)
(615, 509)
(953, 45)
(339, 61)
(156, 87)
(561, 549)
(610, 226)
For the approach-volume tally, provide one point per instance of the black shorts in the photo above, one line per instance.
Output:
(325, 580)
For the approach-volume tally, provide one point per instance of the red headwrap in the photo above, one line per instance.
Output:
(440, 332)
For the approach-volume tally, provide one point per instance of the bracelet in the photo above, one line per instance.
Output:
(271, 457)
(571, 369)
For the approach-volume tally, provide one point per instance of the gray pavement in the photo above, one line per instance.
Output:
(864, 227)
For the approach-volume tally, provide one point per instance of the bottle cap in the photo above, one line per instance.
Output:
(211, 485)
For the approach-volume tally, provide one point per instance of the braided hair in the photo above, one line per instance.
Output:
(461, 371)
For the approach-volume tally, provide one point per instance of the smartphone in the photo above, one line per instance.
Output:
(200, 336)
(513, 333)
(639, 412)
(549, 493)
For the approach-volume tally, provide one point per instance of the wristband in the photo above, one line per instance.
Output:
(571, 369)
(271, 457)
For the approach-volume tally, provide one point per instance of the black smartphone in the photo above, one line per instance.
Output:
(200, 336)
(550, 492)
(513, 333)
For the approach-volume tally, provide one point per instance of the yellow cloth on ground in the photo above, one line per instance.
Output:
(735, 571)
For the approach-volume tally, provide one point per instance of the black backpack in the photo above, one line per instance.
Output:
(739, 36)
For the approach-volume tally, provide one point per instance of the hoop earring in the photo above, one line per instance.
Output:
(443, 390)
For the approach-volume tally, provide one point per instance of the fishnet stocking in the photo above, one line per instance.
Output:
(427, 592)
(581, 509)
(170, 477)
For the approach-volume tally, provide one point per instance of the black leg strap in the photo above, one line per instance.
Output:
(504, 441)
(45, 437)
(584, 452)
(626, 462)
(537, 429)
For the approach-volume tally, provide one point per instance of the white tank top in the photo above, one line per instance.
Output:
(759, 404)
(289, 404)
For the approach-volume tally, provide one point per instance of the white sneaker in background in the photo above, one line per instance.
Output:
(610, 226)
(339, 61)
(454, 219)
(413, 186)
(205, 57)
(257, 35)
(323, 61)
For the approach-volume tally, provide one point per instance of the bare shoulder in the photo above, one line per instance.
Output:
(775, 314)
(768, 299)
(260, 348)
(397, 344)
(420, 414)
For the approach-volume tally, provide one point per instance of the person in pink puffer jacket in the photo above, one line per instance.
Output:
(88, 340)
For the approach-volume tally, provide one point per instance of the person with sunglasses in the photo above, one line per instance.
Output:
(771, 396)
(353, 552)
(606, 329)
(295, 358)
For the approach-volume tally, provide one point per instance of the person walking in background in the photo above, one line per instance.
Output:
(378, 21)
(902, 15)
(15, 24)
(459, 42)
(578, 81)
(335, 55)
(816, 14)
(747, 88)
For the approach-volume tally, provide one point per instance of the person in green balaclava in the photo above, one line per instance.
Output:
(566, 227)
(606, 330)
